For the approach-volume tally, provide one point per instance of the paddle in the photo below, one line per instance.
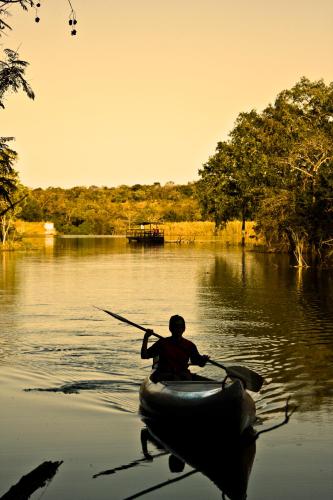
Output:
(252, 380)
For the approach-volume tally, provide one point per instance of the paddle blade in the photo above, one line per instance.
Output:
(253, 380)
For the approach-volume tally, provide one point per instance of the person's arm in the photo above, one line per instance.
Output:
(146, 352)
(196, 358)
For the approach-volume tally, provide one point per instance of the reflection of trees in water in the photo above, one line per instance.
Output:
(8, 281)
(9, 289)
(277, 320)
(91, 246)
(77, 246)
(315, 293)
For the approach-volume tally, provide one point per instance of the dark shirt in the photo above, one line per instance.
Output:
(174, 354)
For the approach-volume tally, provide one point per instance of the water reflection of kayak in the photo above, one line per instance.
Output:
(226, 462)
(230, 405)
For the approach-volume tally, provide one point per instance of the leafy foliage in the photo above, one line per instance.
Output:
(103, 210)
(12, 72)
(10, 192)
(277, 167)
(8, 176)
(5, 13)
(8, 214)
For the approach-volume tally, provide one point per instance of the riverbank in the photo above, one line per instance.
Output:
(31, 229)
(231, 234)
(178, 232)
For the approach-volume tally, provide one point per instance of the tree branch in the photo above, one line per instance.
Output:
(12, 205)
(287, 415)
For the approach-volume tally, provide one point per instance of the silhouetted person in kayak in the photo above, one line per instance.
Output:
(174, 353)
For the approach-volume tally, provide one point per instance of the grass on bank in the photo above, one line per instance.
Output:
(204, 231)
(24, 228)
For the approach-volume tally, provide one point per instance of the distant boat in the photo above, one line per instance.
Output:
(146, 232)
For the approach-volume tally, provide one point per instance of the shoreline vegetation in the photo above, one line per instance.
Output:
(103, 211)
(276, 168)
(175, 232)
(269, 185)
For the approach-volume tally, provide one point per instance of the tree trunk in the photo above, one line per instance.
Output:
(300, 245)
(5, 224)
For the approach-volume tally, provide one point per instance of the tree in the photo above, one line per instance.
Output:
(8, 217)
(8, 176)
(231, 181)
(93, 210)
(11, 195)
(12, 78)
(298, 133)
(217, 190)
(277, 167)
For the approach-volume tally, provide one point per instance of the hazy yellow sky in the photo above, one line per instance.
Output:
(148, 87)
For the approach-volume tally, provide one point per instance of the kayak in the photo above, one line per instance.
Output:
(230, 404)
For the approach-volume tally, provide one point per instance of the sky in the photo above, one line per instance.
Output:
(147, 88)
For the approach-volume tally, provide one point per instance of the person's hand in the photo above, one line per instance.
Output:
(204, 359)
(149, 333)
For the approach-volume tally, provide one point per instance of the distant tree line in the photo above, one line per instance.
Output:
(277, 168)
(110, 210)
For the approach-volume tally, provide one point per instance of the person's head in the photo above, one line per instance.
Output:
(177, 325)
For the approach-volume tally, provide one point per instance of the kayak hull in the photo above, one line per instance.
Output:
(231, 405)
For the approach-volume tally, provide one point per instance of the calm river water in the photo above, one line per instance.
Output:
(69, 374)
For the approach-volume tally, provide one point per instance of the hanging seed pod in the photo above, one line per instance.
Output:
(37, 19)
(70, 22)
(73, 32)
